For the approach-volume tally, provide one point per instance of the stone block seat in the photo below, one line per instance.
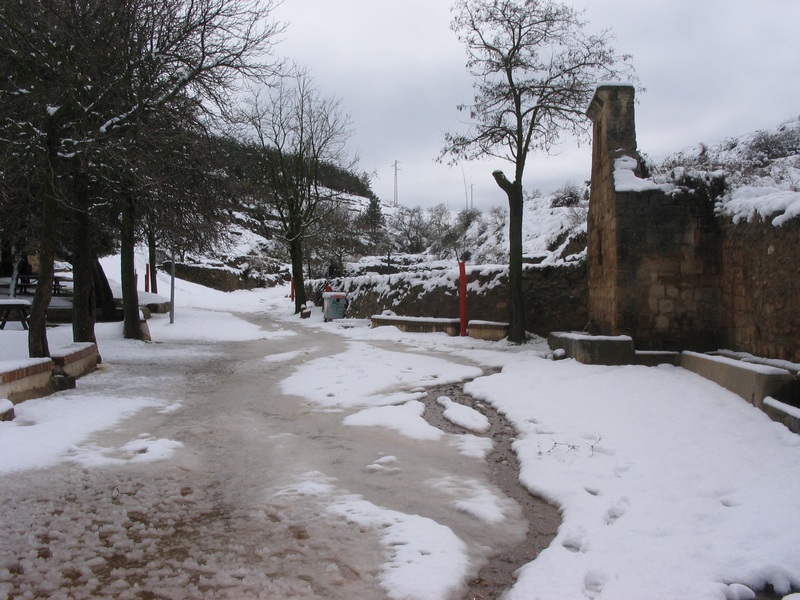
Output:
(594, 349)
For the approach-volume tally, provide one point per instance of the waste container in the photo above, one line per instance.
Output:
(333, 305)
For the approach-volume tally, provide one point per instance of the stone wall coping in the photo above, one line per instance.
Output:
(749, 366)
(73, 348)
(787, 408)
(577, 335)
(417, 319)
(478, 323)
(13, 370)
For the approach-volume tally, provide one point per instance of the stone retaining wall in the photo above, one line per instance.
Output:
(555, 296)
(760, 287)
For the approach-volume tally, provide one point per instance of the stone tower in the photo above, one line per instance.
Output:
(653, 253)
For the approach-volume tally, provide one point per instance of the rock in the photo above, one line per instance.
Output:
(6, 410)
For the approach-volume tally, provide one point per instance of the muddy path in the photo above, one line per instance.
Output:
(210, 521)
(542, 519)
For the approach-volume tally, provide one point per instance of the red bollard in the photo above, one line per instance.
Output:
(291, 294)
(462, 293)
(147, 277)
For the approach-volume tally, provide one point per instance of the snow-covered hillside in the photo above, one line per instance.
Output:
(761, 172)
(749, 177)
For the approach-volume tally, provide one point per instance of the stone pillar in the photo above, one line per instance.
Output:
(613, 116)
(614, 135)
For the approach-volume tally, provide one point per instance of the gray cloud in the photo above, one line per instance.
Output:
(711, 69)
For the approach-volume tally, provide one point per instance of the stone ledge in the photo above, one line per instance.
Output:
(653, 358)
(594, 349)
(28, 368)
(782, 413)
(75, 360)
(492, 331)
(751, 381)
(451, 327)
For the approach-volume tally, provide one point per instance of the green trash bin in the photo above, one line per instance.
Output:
(333, 305)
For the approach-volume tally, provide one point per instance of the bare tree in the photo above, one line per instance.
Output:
(535, 71)
(409, 228)
(297, 132)
(95, 75)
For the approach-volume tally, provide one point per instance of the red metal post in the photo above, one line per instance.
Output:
(291, 294)
(462, 294)
(147, 277)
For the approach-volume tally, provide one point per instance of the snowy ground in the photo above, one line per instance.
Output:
(272, 457)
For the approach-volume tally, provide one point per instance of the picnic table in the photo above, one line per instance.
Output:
(15, 305)
(30, 281)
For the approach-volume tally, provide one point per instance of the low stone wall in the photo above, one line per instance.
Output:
(481, 330)
(223, 278)
(555, 296)
(75, 360)
(36, 377)
(27, 380)
(451, 327)
(753, 382)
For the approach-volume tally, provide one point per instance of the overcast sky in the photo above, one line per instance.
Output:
(711, 68)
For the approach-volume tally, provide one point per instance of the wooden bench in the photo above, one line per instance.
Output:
(21, 307)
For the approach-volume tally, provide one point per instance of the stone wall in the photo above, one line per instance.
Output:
(761, 288)
(667, 271)
(663, 269)
(555, 297)
(223, 279)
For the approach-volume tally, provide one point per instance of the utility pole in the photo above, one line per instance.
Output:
(396, 202)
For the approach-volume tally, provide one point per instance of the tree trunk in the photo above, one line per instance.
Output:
(105, 297)
(37, 336)
(83, 298)
(516, 297)
(516, 326)
(151, 257)
(132, 327)
(296, 253)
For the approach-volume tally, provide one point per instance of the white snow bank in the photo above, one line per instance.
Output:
(405, 418)
(365, 376)
(669, 485)
(625, 180)
(748, 203)
(48, 430)
(464, 416)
